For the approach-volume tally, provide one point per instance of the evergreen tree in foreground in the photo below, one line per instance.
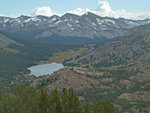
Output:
(31, 100)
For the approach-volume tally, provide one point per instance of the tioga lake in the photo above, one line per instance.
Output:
(45, 69)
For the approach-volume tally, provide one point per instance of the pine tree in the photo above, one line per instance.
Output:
(86, 107)
(43, 101)
(70, 101)
(55, 105)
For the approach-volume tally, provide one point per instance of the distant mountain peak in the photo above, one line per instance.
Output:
(69, 16)
(23, 17)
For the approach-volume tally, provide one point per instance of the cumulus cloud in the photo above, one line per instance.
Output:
(45, 11)
(104, 9)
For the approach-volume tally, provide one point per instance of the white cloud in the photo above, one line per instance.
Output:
(80, 11)
(45, 11)
(104, 9)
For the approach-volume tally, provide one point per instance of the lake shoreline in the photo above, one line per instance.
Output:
(45, 69)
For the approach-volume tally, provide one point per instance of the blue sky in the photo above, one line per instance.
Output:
(17, 7)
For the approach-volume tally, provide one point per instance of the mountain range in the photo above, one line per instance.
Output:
(88, 27)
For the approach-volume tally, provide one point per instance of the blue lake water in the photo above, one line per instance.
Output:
(45, 69)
